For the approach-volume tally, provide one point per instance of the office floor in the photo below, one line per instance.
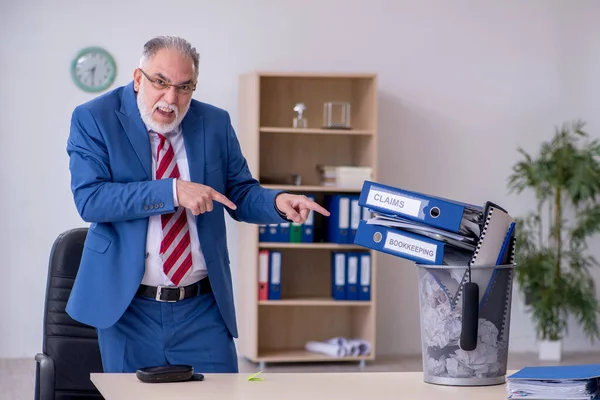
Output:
(17, 375)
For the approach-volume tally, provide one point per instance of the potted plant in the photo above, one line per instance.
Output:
(553, 267)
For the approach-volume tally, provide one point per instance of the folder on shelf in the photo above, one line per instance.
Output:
(308, 231)
(352, 276)
(272, 231)
(338, 223)
(275, 276)
(355, 217)
(263, 274)
(283, 232)
(366, 213)
(263, 233)
(555, 382)
(295, 233)
(420, 249)
(364, 276)
(434, 211)
(338, 275)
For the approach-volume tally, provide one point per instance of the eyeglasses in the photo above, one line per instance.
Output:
(160, 84)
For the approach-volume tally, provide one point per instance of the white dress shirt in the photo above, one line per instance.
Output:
(154, 275)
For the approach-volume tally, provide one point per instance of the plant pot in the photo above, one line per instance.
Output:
(550, 350)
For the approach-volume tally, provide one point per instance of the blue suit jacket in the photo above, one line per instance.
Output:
(111, 180)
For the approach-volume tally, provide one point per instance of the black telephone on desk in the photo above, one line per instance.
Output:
(168, 373)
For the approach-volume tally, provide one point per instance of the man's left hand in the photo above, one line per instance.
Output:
(297, 207)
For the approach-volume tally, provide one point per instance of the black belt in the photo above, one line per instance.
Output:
(173, 293)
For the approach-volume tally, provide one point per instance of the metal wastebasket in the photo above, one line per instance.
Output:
(441, 314)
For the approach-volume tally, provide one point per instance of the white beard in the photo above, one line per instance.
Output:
(155, 126)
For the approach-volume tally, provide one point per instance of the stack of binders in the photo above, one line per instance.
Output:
(345, 216)
(351, 276)
(433, 230)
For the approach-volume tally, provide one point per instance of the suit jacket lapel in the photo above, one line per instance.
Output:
(193, 136)
(135, 129)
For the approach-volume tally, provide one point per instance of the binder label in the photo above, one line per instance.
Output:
(340, 273)
(352, 269)
(344, 217)
(365, 270)
(263, 270)
(355, 214)
(276, 268)
(406, 245)
(394, 202)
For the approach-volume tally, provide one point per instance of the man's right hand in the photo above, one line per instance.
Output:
(199, 198)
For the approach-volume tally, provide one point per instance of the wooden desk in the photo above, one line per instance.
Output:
(289, 386)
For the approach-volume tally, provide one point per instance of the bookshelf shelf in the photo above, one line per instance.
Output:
(301, 355)
(315, 131)
(315, 302)
(278, 330)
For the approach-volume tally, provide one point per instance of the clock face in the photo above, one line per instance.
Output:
(93, 69)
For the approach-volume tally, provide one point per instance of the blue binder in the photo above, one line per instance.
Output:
(271, 234)
(434, 211)
(420, 249)
(283, 232)
(557, 372)
(338, 275)
(554, 382)
(355, 217)
(308, 230)
(352, 271)
(338, 223)
(364, 277)
(263, 233)
(275, 276)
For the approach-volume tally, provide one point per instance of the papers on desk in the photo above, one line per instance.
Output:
(555, 382)
(340, 347)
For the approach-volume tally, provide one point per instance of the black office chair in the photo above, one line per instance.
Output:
(70, 349)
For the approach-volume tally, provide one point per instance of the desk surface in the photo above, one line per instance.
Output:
(279, 385)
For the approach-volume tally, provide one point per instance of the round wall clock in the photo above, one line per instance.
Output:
(93, 69)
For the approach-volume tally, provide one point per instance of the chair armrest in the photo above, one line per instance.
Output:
(44, 377)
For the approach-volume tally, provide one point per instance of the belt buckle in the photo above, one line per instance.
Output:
(159, 290)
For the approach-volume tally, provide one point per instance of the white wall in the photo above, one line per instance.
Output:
(462, 83)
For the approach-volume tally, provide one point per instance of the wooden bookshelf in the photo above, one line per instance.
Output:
(277, 330)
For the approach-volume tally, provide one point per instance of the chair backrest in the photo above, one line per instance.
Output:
(73, 346)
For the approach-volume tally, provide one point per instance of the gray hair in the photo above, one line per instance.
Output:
(170, 42)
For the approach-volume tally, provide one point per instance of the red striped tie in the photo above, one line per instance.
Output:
(175, 247)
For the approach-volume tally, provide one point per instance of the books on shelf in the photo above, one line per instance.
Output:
(350, 275)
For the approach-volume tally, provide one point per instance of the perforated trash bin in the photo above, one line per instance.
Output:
(441, 314)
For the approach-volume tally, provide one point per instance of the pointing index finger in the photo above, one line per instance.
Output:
(316, 207)
(222, 199)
